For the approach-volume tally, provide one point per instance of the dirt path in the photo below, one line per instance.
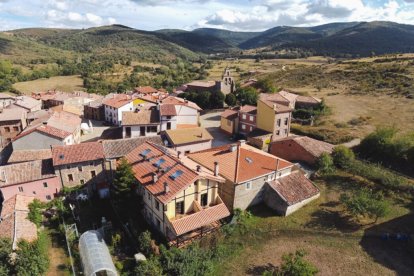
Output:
(59, 263)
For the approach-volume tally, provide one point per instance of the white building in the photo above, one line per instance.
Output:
(115, 106)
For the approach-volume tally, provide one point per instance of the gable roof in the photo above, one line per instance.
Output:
(239, 162)
(308, 99)
(172, 171)
(26, 172)
(313, 146)
(180, 101)
(294, 188)
(291, 97)
(248, 109)
(121, 147)
(146, 90)
(142, 117)
(188, 135)
(71, 154)
(117, 100)
(230, 114)
(45, 129)
(14, 223)
(168, 110)
(204, 84)
(18, 156)
(12, 114)
(26, 102)
(65, 121)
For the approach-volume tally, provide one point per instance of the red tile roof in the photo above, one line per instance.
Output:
(242, 164)
(168, 110)
(248, 109)
(18, 156)
(118, 100)
(146, 90)
(230, 114)
(144, 169)
(180, 101)
(199, 219)
(276, 101)
(26, 172)
(312, 146)
(63, 155)
(294, 188)
(45, 129)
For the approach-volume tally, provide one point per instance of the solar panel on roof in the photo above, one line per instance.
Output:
(177, 174)
(159, 163)
(145, 152)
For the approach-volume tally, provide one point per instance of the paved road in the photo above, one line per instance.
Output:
(211, 122)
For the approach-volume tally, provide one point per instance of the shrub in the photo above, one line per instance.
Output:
(144, 243)
(342, 156)
(35, 212)
(325, 164)
(230, 99)
(293, 265)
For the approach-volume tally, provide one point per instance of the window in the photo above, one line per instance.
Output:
(34, 192)
(82, 181)
(70, 177)
(80, 168)
(286, 121)
(179, 207)
(44, 184)
(93, 174)
(248, 185)
(15, 128)
(168, 117)
(204, 199)
(157, 205)
(251, 118)
(48, 197)
(251, 128)
(278, 122)
(243, 126)
(21, 189)
(149, 196)
(278, 132)
(244, 116)
(7, 129)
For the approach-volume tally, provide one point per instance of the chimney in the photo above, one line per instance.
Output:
(277, 164)
(166, 188)
(233, 148)
(158, 106)
(178, 154)
(154, 178)
(216, 168)
(198, 168)
(242, 142)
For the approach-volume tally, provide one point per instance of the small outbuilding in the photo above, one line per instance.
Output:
(95, 256)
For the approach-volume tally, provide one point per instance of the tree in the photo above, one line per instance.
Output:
(325, 164)
(296, 265)
(266, 85)
(123, 181)
(150, 267)
(5, 251)
(216, 100)
(202, 99)
(342, 156)
(145, 243)
(230, 99)
(32, 257)
(366, 204)
(247, 95)
(35, 212)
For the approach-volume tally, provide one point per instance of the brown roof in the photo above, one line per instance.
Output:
(45, 129)
(142, 117)
(188, 135)
(277, 107)
(65, 121)
(308, 99)
(167, 110)
(118, 100)
(121, 147)
(26, 102)
(6, 96)
(144, 168)
(313, 146)
(14, 223)
(294, 188)
(201, 218)
(63, 155)
(18, 156)
(12, 114)
(243, 163)
(291, 97)
(180, 101)
(26, 172)
(146, 90)
(248, 109)
(204, 84)
(230, 114)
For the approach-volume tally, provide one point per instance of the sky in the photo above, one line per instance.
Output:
(236, 15)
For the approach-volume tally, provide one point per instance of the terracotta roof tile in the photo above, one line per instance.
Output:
(118, 100)
(291, 97)
(121, 147)
(146, 90)
(230, 114)
(308, 99)
(294, 188)
(63, 155)
(168, 110)
(26, 172)
(48, 130)
(27, 102)
(180, 101)
(18, 156)
(248, 109)
(313, 146)
(142, 117)
(203, 84)
(12, 114)
(241, 164)
(189, 135)
(201, 218)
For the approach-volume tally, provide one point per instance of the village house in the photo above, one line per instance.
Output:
(229, 121)
(12, 122)
(67, 122)
(141, 123)
(297, 101)
(186, 113)
(28, 103)
(273, 116)
(75, 105)
(33, 178)
(19, 156)
(249, 173)
(14, 223)
(6, 100)
(188, 140)
(115, 106)
(81, 164)
(300, 148)
(94, 110)
(181, 198)
(247, 119)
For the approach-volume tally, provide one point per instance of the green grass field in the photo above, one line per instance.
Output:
(62, 83)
